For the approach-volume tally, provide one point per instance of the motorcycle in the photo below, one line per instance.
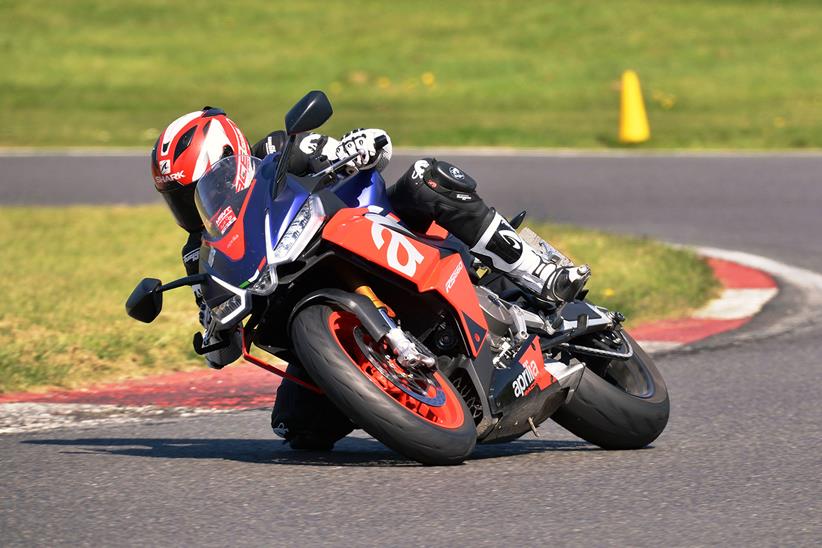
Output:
(404, 332)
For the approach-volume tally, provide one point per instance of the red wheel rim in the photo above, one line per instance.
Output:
(448, 415)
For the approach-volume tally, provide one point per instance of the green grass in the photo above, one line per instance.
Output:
(716, 73)
(64, 277)
(640, 277)
(66, 273)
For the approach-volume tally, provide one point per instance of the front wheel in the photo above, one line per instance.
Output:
(618, 404)
(418, 414)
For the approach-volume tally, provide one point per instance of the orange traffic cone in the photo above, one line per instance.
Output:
(633, 122)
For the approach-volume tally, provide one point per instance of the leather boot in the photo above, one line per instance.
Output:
(535, 266)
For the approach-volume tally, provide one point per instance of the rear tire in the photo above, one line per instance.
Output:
(626, 407)
(428, 434)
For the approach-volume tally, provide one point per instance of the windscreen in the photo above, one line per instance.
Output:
(222, 191)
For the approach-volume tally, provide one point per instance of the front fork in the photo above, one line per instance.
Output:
(408, 352)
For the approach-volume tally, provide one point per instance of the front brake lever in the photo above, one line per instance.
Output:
(336, 165)
(379, 143)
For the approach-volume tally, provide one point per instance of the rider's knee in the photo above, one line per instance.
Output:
(433, 190)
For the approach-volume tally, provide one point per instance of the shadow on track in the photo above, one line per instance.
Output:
(351, 451)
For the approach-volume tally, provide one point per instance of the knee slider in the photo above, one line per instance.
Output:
(449, 177)
(432, 190)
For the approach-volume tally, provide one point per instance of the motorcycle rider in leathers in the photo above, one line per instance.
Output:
(431, 190)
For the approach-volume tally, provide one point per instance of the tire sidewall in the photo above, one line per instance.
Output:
(611, 418)
(367, 405)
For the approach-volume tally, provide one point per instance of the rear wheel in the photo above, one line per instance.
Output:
(416, 413)
(619, 404)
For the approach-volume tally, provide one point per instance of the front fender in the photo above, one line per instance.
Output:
(359, 305)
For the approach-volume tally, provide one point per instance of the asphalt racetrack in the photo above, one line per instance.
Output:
(740, 462)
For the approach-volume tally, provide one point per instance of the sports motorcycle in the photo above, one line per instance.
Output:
(404, 332)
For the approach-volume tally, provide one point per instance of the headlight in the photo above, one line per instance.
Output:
(222, 312)
(302, 229)
(266, 283)
(234, 308)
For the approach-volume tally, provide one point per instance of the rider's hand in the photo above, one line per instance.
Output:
(362, 140)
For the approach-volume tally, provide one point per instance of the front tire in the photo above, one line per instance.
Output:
(618, 404)
(329, 343)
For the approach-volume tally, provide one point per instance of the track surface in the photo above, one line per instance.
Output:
(739, 463)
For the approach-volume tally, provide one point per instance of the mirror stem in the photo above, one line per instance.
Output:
(282, 165)
(188, 280)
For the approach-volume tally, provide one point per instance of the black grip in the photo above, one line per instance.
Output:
(200, 349)
(380, 142)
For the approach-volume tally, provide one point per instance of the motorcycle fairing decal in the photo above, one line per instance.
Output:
(224, 219)
(398, 243)
(232, 244)
(534, 373)
(256, 275)
(476, 333)
(381, 240)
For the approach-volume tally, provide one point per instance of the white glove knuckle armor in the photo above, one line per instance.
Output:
(362, 141)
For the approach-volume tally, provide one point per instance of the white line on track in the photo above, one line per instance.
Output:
(16, 418)
(743, 303)
(655, 347)
(505, 152)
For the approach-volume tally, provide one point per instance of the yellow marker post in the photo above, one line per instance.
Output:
(633, 122)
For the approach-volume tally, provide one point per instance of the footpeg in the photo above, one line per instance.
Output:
(566, 282)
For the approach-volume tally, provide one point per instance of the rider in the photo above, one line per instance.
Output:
(431, 190)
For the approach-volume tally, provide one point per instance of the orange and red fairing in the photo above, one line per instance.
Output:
(380, 239)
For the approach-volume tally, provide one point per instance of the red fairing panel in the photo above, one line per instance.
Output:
(532, 360)
(381, 240)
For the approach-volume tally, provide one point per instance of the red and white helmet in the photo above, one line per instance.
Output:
(185, 151)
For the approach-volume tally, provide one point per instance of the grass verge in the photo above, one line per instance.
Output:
(66, 273)
(640, 277)
(728, 73)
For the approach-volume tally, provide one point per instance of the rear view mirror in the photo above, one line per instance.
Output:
(146, 301)
(309, 113)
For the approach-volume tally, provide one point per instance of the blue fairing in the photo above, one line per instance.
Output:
(285, 207)
(360, 190)
(236, 272)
